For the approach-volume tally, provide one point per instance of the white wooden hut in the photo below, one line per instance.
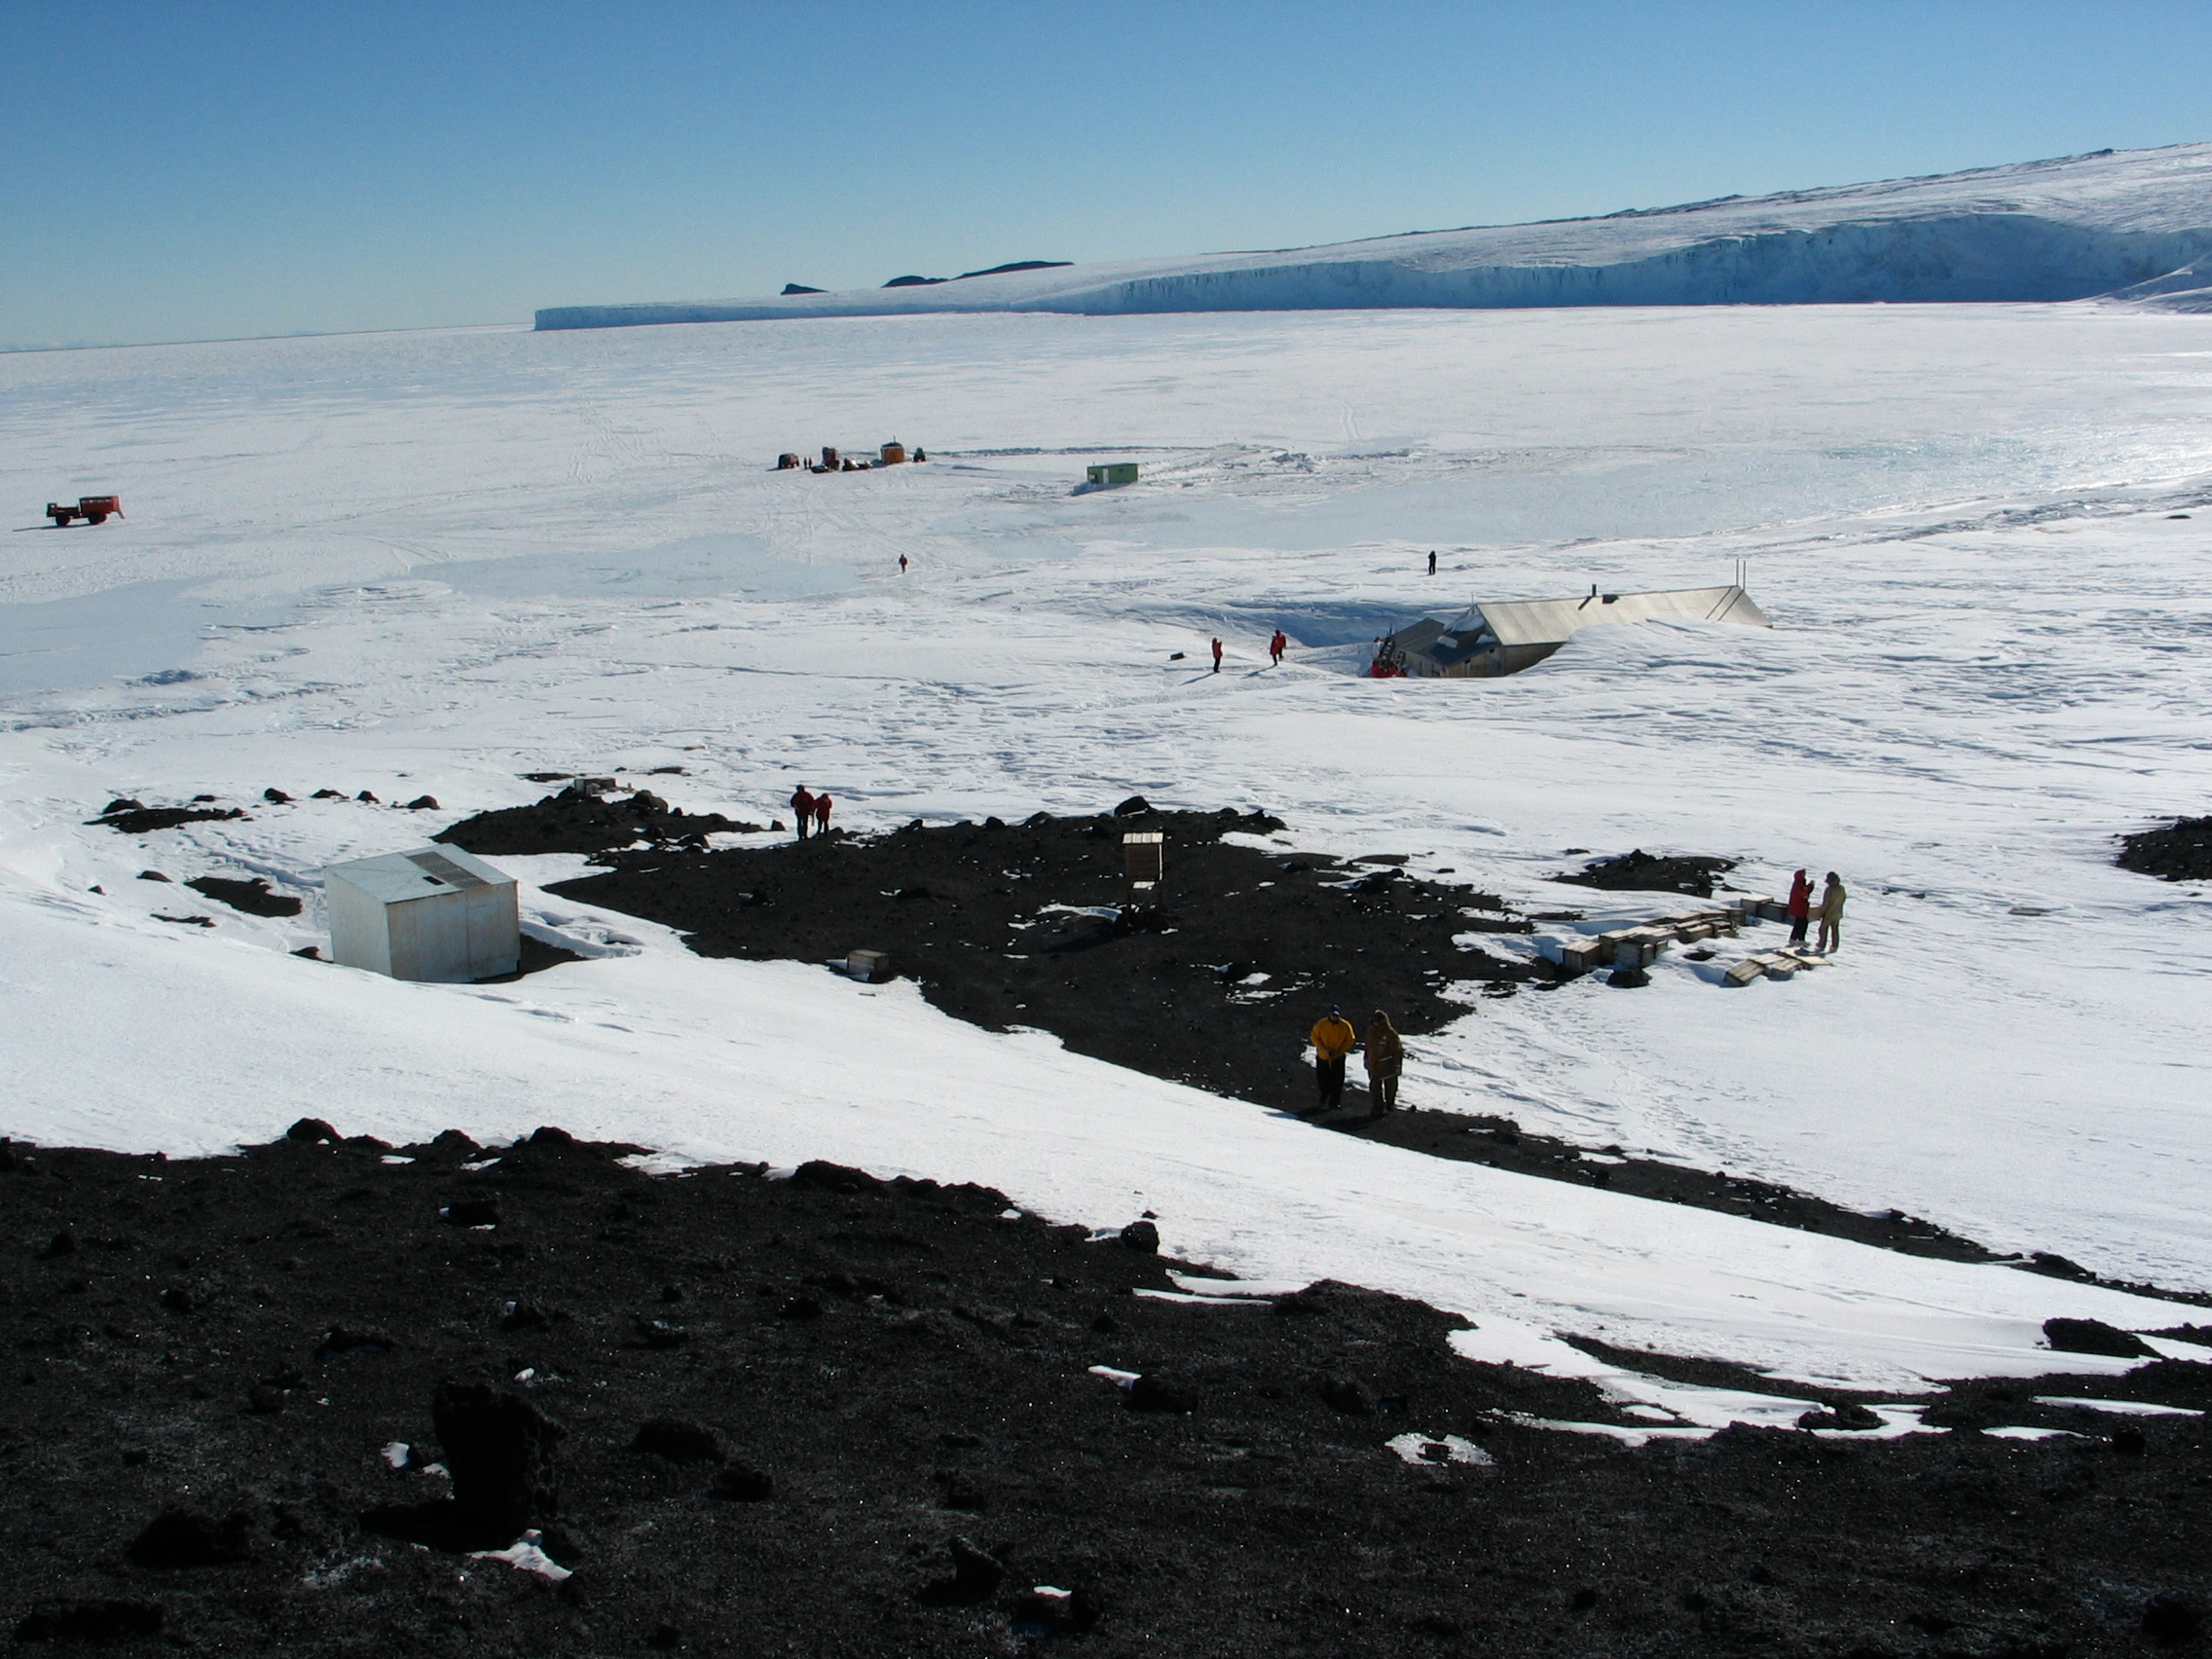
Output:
(436, 913)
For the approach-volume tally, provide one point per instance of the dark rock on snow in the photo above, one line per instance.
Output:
(252, 897)
(1141, 1235)
(2094, 1336)
(2180, 852)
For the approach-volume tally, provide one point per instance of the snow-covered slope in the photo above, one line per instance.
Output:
(2056, 230)
(428, 563)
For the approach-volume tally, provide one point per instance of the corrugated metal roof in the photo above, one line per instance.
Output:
(422, 874)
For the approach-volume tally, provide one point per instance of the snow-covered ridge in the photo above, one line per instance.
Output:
(2071, 229)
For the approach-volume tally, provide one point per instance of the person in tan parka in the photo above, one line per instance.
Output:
(1333, 1038)
(1830, 911)
(1386, 1059)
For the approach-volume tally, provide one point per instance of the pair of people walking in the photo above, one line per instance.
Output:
(812, 809)
(1803, 907)
(1333, 1039)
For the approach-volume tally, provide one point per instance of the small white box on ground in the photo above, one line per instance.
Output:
(437, 913)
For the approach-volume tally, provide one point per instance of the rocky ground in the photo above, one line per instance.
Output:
(1215, 982)
(270, 1403)
(2182, 851)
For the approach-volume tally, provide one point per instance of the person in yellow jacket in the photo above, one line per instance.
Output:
(1333, 1038)
(1386, 1059)
(1830, 909)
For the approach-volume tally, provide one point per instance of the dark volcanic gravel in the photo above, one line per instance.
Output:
(1219, 988)
(2180, 852)
(577, 820)
(1640, 871)
(834, 1416)
(133, 819)
(252, 897)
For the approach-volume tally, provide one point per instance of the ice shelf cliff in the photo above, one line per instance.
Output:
(2127, 224)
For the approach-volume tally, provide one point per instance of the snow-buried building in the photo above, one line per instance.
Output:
(1506, 636)
(2128, 225)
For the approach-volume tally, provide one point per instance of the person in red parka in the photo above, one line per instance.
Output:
(1277, 646)
(1217, 656)
(1800, 906)
(822, 805)
(803, 809)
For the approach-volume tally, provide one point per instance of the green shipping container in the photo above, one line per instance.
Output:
(1113, 473)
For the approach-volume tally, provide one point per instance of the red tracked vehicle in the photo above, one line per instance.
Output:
(93, 509)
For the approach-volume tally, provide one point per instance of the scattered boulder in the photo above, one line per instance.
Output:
(144, 820)
(189, 1537)
(275, 797)
(1134, 806)
(580, 819)
(977, 1574)
(252, 897)
(1628, 979)
(327, 794)
(499, 1448)
(660, 1334)
(1640, 871)
(341, 1340)
(1141, 1237)
(2094, 1336)
(92, 1621)
(1345, 1395)
(62, 1243)
(1849, 1415)
(369, 796)
(471, 1212)
(312, 1130)
(152, 875)
(741, 1483)
(424, 803)
(1153, 1393)
(834, 1178)
(679, 1441)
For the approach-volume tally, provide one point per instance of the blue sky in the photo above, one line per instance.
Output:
(194, 169)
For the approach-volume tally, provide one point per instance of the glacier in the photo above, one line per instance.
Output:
(2126, 225)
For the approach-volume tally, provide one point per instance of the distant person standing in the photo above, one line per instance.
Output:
(1333, 1038)
(803, 809)
(1217, 656)
(1386, 1059)
(1277, 646)
(1800, 906)
(1831, 914)
(1432, 564)
(901, 564)
(822, 805)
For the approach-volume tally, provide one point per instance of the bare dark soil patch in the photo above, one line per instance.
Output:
(578, 820)
(251, 897)
(2180, 852)
(1640, 871)
(131, 818)
(1008, 925)
(845, 1416)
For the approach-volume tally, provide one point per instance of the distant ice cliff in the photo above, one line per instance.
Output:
(2125, 224)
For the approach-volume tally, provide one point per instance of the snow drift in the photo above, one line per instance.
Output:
(2122, 223)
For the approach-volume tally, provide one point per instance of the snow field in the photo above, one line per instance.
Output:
(428, 563)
